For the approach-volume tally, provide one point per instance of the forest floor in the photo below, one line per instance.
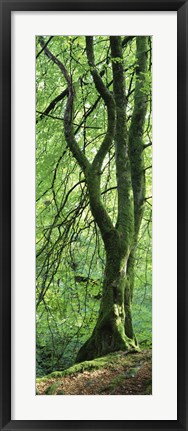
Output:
(115, 374)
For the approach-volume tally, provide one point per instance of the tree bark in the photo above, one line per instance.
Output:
(109, 334)
(136, 157)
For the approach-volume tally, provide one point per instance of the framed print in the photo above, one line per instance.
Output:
(93, 286)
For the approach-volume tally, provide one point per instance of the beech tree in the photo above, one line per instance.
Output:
(105, 107)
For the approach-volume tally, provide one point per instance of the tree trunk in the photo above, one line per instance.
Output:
(136, 146)
(128, 296)
(109, 333)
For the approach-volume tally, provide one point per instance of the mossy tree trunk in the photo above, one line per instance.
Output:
(109, 334)
(114, 328)
(136, 149)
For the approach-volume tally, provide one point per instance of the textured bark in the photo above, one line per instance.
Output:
(109, 334)
(136, 134)
(124, 223)
(128, 297)
(137, 171)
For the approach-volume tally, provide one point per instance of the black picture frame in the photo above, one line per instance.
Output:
(6, 7)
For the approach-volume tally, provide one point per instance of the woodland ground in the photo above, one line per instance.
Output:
(118, 373)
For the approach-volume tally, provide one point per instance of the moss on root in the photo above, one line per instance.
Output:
(95, 364)
(110, 360)
(51, 390)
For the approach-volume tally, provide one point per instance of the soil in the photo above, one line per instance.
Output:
(121, 374)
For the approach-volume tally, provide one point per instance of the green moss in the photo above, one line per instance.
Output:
(80, 368)
(51, 390)
(117, 381)
(131, 372)
(149, 388)
(56, 374)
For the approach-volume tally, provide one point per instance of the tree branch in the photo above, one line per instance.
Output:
(126, 40)
(136, 130)
(125, 206)
(109, 102)
(68, 127)
(53, 103)
(147, 145)
(40, 52)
